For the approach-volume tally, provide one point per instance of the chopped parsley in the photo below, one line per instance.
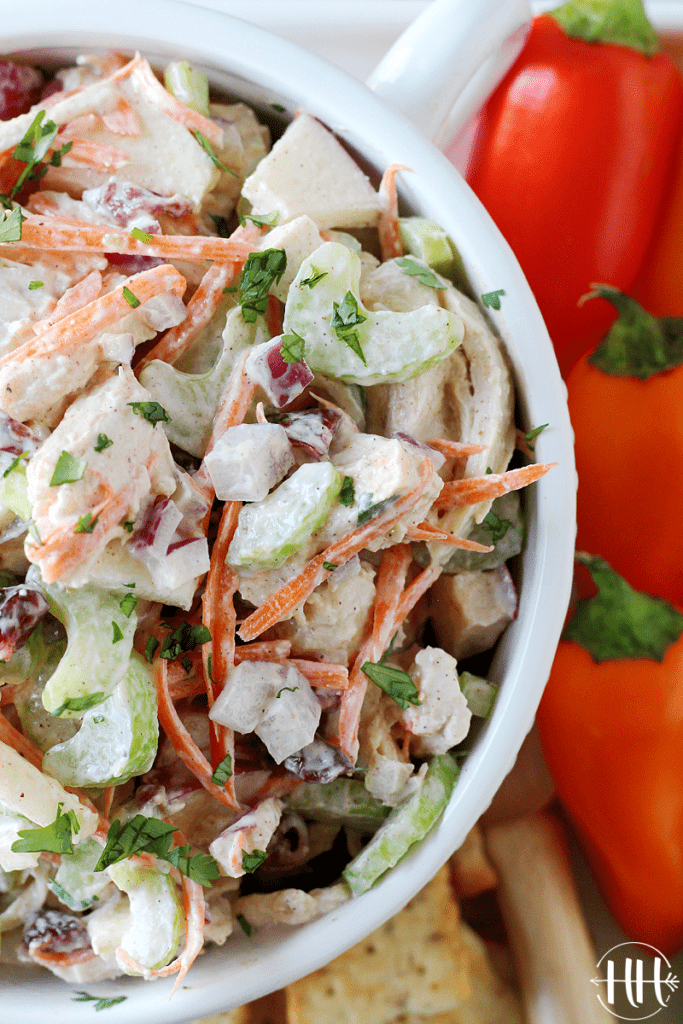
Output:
(57, 837)
(67, 899)
(14, 463)
(32, 285)
(497, 527)
(86, 523)
(128, 604)
(492, 299)
(330, 566)
(132, 300)
(252, 861)
(312, 281)
(268, 220)
(151, 648)
(425, 275)
(141, 236)
(184, 638)
(150, 411)
(345, 319)
(152, 835)
(278, 107)
(128, 525)
(373, 510)
(292, 347)
(244, 924)
(260, 272)
(208, 149)
(116, 633)
(394, 681)
(531, 435)
(223, 771)
(68, 470)
(84, 703)
(347, 494)
(187, 664)
(34, 147)
(103, 442)
(221, 225)
(292, 689)
(101, 1002)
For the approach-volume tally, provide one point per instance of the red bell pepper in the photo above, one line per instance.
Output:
(573, 156)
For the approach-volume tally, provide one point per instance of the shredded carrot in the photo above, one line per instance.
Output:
(277, 786)
(59, 234)
(389, 235)
(390, 583)
(218, 654)
(13, 738)
(122, 121)
(296, 590)
(72, 331)
(50, 958)
(73, 299)
(182, 689)
(63, 550)
(153, 91)
(10, 691)
(274, 314)
(183, 744)
(455, 449)
(425, 531)
(263, 650)
(472, 490)
(96, 154)
(108, 799)
(388, 618)
(323, 674)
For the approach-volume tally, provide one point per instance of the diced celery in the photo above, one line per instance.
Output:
(188, 85)
(429, 242)
(479, 693)
(95, 661)
(395, 346)
(157, 917)
(77, 884)
(14, 492)
(117, 739)
(345, 800)
(38, 724)
(271, 531)
(407, 824)
(191, 399)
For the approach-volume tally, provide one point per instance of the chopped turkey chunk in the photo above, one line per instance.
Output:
(138, 458)
(308, 172)
(443, 718)
(470, 610)
(248, 461)
(250, 834)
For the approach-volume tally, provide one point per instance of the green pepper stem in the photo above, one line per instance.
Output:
(619, 22)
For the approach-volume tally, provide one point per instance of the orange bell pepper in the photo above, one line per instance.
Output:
(573, 155)
(611, 724)
(626, 407)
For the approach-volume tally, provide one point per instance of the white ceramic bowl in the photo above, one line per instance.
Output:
(246, 61)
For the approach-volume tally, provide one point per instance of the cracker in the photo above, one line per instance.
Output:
(416, 963)
(471, 871)
(240, 1015)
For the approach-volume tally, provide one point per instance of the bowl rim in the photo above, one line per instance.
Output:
(253, 967)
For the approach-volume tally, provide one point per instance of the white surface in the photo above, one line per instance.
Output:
(235, 56)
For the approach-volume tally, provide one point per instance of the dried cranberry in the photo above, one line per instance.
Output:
(21, 608)
(19, 87)
(55, 931)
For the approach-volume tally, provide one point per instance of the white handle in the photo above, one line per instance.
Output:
(449, 59)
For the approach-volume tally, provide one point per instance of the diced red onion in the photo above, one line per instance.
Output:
(281, 381)
(122, 202)
(21, 609)
(150, 541)
(19, 87)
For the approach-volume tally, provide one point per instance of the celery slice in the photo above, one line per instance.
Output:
(406, 825)
(157, 917)
(429, 242)
(117, 739)
(188, 85)
(93, 663)
(271, 531)
(394, 346)
(345, 800)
